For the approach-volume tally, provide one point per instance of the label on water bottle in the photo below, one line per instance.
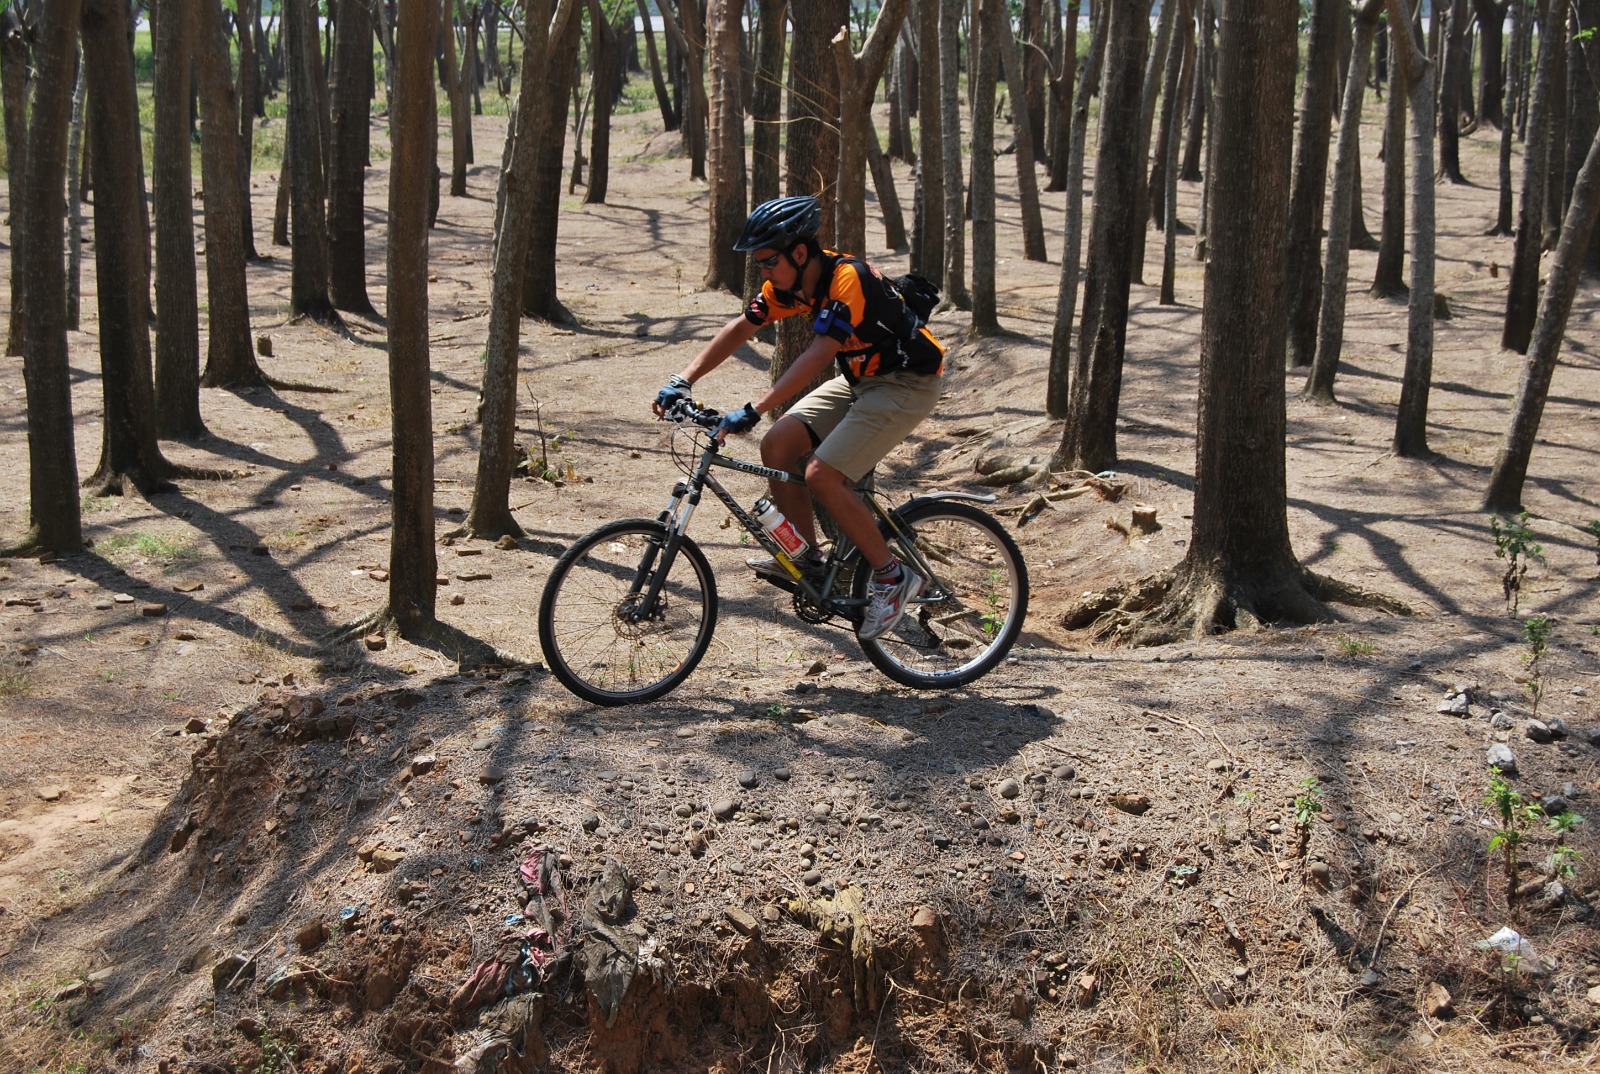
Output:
(788, 538)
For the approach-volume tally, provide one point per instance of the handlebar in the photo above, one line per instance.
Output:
(688, 410)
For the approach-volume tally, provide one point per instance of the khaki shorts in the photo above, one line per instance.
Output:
(858, 424)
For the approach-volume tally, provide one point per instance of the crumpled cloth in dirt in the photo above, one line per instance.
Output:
(511, 1029)
(843, 920)
(541, 878)
(610, 951)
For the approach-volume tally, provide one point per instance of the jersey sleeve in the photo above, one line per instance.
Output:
(846, 308)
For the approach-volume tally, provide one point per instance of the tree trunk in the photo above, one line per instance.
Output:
(249, 83)
(1411, 422)
(549, 127)
(725, 267)
(989, 39)
(1308, 193)
(1155, 64)
(1089, 441)
(1056, 392)
(953, 180)
(128, 448)
(689, 36)
(1167, 202)
(1061, 85)
(604, 80)
(74, 194)
(308, 232)
(347, 224)
(669, 112)
(928, 227)
(858, 84)
(1342, 214)
(1027, 91)
(54, 516)
(1491, 63)
(1240, 567)
(1522, 297)
(1513, 88)
(14, 92)
(1388, 281)
(1199, 103)
(455, 89)
(1504, 493)
(1554, 25)
(229, 359)
(766, 118)
(1022, 124)
(177, 359)
(490, 514)
(894, 223)
(1583, 94)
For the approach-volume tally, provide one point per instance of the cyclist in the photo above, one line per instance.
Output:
(889, 380)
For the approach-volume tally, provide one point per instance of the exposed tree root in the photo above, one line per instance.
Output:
(32, 546)
(296, 386)
(1181, 603)
(468, 652)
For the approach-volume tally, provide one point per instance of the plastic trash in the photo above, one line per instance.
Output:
(1518, 953)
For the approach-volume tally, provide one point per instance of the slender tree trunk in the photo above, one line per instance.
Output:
(308, 232)
(56, 524)
(1342, 214)
(1522, 297)
(1056, 394)
(1583, 92)
(249, 82)
(990, 39)
(1389, 281)
(74, 194)
(1168, 200)
(455, 89)
(490, 514)
(1089, 441)
(229, 360)
(1513, 88)
(1504, 493)
(1061, 86)
(1027, 179)
(177, 358)
(669, 113)
(858, 77)
(1199, 103)
(1554, 24)
(604, 76)
(347, 224)
(14, 91)
(954, 177)
(928, 230)
(689, 36)
(1491, 65)
(1154, 65)
(1307, 195)
(128, 449)
(894, 223)
(1174, 78)
(1411, 422)
(413, 562)
(766, 114)
(1454, 71)
(726, 266)
(539, 297)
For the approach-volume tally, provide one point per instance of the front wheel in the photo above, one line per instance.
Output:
(968, 617)
(603, 635)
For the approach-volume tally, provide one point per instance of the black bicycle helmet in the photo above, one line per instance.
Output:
(780, 223)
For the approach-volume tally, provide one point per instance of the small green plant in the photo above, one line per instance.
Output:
(277, 1055)
(776, 711)
(1536, 633)
(173, 554)
(14, 684)
(1564, 858)
(1514, 543)
(992, 620)
(1514, 815)
(1350, 646)
(1307, 807)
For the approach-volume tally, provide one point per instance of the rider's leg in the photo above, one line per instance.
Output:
(833, 489)
(786, 443)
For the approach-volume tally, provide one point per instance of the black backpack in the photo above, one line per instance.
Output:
(920, 294)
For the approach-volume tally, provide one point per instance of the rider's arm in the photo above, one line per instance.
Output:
(733, 335)
(806, 368)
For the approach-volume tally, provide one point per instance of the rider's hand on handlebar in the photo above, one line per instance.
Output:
(738, 421)
(677, 388)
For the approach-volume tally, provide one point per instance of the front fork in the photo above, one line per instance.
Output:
(650, 576)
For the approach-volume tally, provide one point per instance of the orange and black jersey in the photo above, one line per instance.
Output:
(860, 308)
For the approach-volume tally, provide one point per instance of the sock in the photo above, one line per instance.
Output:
(887, 575)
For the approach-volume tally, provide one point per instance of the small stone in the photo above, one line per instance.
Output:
(591, 822)
(743, 923)
(812, 877)
(1137, 804)
(50, 793)
(1008, 788)
(1540, 732)
(103, 605)
(1455, 704)
(423, 763)
(378, 575)
(264, 346)
(1594, 995)
(375, 643)
(749, 779)
(474, 576)
(1500, 756)
(153, 611)
(822, 810)
(122, 598)
(232, 972)
(781, 774)
(1500, 721)
(1437, 1001)
(311, 934)
(724, 808)
(385, 861)
(194, 725)
(1065, 773)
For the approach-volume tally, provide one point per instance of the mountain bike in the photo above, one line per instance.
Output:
(629, 609)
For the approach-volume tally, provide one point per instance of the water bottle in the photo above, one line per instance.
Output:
(780, 529)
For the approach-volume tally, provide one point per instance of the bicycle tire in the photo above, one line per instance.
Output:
(589, 644)
(979, 598)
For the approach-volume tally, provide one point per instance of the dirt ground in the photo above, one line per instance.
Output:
(228, 845)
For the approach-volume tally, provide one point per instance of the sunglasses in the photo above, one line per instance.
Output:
(768, 263)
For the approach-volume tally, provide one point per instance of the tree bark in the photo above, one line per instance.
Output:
(990, 39)
(1513, 87)
(1491, 62)
(954, 177)
(1388, 280)
(726, 266)
(894, 223)
(539, 297)
(308, 231)
(177, 357)
(1411, 421)
(928, 227)
(669, 113)
(1057, 400)
(1155, 63)
(689, 36)
(54, 516)
(249, 90)
(1454, 71)
(413, 563)
(74, 195)
(1504, 493)
(1342, 214)
(603, 75)
(347, 223)
(1022, 125)
(128, 448)
(858, 77)
(766, 108)
(1200, 103)
(1061, 86)
(455, 90)
(1167, 202)
(1089, 441)
(1308, 192)
(490, 514)
(1522, 296)
(14, 93)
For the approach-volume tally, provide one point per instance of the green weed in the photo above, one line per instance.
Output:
(1351, 646)
(1514, 815)
(1514, 543)
(1307, 807)
(1536, 633)
(173, 554)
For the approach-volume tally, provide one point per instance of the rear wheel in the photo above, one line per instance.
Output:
(597, 637)
(968, 617)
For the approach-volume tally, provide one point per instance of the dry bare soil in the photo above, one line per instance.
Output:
(229, 845)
